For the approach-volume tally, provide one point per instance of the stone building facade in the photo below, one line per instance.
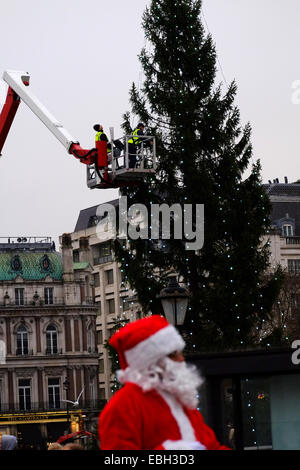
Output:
(285, 217)
(47, 333)
(113, 297)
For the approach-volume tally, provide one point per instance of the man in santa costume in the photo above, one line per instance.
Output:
(156, 409)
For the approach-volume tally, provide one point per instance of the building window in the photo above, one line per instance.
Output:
(109, 276)
(104, 249)
(294, 266)
(16, 263)
(126, 304)
(91, 339)
(99, 337)
(111, 306)
(101, 366)
(96, 279)
(287, 230)
(2, 349)
(123, 276)
(45, 263)
(295, 301)
(24, 394)
(54, 393)
(22, 341)
(102, 393)
(92, 391)
(93, 221)
(102, 253)
(19, 296)
(51, 340)
(0, 395)
(48, 295)
(76, 256)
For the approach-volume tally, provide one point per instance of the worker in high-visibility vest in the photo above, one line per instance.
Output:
(134, 143)
(101, 136)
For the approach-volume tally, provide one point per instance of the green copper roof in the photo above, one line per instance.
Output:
(30, 266)
(80, 265)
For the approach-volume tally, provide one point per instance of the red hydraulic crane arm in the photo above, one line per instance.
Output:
(85, 156)
(7, 115)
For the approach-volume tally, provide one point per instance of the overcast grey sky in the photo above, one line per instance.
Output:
(82, 58)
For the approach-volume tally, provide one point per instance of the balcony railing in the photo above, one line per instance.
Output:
(31, 302)
(88, 301)
(95, 405)
(53, 351)
(57, 301)
(25, 352)
(292, 240)
(103, 259)
(29, 353)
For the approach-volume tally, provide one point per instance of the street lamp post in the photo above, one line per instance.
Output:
(66, 386)
(174, 301)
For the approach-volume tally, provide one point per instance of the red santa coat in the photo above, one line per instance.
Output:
(138, 420)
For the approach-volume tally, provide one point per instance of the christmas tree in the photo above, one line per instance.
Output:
(203, 154)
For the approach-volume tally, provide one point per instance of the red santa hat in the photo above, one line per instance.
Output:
(143, 342)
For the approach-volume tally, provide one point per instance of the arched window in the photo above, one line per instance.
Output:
(51, 339)
(22, 340)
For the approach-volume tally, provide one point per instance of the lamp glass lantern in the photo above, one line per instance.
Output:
(174, 301)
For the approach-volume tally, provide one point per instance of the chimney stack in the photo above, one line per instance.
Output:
(84, 252)
(67, 256)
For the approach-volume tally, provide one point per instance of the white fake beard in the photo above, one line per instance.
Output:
(181, 380)
(178, 378)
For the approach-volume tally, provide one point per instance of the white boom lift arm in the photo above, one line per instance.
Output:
(96, 159)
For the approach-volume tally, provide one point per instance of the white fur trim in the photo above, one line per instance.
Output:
(184, 424)
(183, 445)
(158, 345)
